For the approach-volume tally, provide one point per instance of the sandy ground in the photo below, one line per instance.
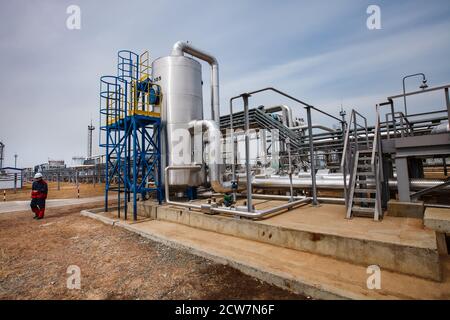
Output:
(114, 263)
(66, 191)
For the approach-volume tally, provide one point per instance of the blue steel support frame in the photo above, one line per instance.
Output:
(133, 143)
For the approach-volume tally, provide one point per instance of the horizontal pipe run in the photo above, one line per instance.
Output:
(259, 214)
(314, 126)
(334, 182)
(280, 197)
(436, 205)
(254, 215)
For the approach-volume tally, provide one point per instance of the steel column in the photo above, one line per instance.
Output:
(401, 166)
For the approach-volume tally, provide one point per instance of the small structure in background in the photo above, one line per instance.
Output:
(11, 178)
(2, 148)
(90, 129)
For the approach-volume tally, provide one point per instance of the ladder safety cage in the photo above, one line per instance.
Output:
(131, 130)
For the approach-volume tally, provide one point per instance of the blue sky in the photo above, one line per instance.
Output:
(318, 51)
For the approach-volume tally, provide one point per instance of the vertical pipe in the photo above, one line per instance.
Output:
(263, 134)
(247, 154)
(160, 195)
(311, 152)
(233, 153)
(291, 187)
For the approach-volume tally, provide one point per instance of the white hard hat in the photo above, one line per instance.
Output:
(38, 175)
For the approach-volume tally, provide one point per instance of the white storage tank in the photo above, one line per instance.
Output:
(180, 78)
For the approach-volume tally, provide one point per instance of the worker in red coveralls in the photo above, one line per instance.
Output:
(39, 192)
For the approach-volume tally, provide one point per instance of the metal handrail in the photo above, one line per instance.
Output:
(346, 164)
(375, 139)
(376, 165)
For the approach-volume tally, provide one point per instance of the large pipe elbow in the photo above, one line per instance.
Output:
(182, 47)
(216, 168)
(287, 113)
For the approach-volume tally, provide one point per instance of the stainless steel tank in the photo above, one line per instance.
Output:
(180, 78)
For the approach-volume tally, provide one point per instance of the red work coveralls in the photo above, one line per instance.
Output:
(39, 192)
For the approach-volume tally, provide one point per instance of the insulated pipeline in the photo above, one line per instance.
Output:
(335, 183)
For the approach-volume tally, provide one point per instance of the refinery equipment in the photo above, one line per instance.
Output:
(157, 140)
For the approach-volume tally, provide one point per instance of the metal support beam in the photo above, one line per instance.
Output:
(401, 166)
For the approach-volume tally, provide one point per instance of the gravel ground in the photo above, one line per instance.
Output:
(114, 263)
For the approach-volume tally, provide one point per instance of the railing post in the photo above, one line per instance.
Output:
(447, 102)
(355, 128)
(394, 127)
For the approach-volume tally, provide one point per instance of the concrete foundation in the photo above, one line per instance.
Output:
(437, 219)
(400, 245)
(405, 209)
(298, 271)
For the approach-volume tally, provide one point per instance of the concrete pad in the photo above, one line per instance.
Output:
(406, 209)
(396, 244)
(301, 272)
(437, 219)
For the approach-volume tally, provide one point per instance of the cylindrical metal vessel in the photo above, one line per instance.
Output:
(180, 78)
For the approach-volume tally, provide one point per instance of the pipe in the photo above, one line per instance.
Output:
(166, 185)
(312, 159)
(247, 154)
(314, 126)
(259, 214)
(279, 197)
(436, 205)
(234, 149)
(215, 165)
(209, 208)
(287, 113)
(178, 49)
(334, 182)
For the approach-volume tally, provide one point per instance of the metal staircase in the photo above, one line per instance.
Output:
(362, 169)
